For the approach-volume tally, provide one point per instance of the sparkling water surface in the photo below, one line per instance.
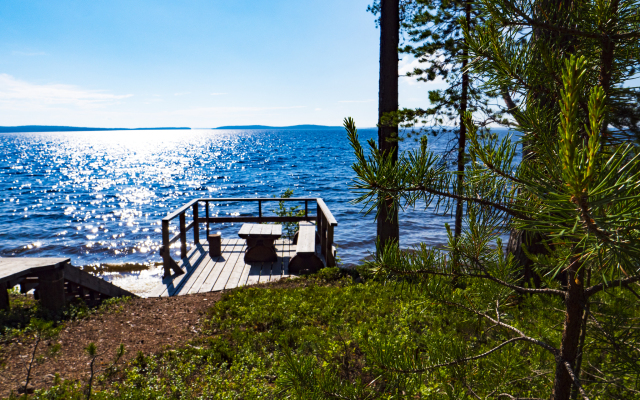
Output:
(99, 197)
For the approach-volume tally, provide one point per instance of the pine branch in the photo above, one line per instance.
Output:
(518, 289)
(542, 344)
(611, 338)
(518, 398)
(486, 275)
(421, 188)
(604, 285)
(575, 380)
(454, 362)
(575, 32)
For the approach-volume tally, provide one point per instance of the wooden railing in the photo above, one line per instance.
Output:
(325, 224)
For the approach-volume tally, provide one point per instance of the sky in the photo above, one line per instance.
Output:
(192, 63)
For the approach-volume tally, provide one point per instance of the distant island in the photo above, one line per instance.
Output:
(292, 127)
(48, 128)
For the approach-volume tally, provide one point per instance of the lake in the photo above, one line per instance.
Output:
(98, 197)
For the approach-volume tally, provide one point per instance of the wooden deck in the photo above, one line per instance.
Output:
(55, 280)
(228, 271)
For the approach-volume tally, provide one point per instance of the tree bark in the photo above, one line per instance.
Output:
(575, 301)
(533, 241)
(388, 228)
(462, 139)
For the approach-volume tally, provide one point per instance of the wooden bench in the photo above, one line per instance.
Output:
(306, 260)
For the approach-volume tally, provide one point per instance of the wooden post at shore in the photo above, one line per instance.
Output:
(183, 236)
(4, 296)
(196, 225)
(166, 249)
(51, 289)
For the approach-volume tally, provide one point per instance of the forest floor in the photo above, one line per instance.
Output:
(142, 325)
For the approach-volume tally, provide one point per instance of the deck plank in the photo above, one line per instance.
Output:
(206, 270)
(234, 260)
(290, 252)
(276, 268)
(174, 283)
(245, 275)
(254, 273)
(230, 256)
(190, 265)
(200, 268)
(227, 271)
(238, 276)
(265, 272)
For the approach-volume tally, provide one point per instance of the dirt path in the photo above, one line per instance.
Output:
(146, 325)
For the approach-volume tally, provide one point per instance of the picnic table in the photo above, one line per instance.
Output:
(260, 241)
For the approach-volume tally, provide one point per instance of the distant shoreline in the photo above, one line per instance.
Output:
(292, 127)
(48, 128)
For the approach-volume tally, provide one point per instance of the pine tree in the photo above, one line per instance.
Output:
(387, 217)
(579, 191)
(434, 36)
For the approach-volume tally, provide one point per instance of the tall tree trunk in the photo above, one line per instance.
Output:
(462, 139)
(575, 301)
(388, 228)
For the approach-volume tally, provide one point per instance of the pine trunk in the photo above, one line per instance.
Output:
(462, 139)
(575, 301)
(533, 243)
(388, 228)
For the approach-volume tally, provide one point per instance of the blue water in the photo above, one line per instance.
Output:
(98, 197)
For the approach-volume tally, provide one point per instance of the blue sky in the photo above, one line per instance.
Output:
(197, 63)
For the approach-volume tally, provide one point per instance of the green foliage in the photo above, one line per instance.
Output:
(250, 333)
(91, 349)
(324, 336)
(581, 196)
(290, 228)
(25, 309)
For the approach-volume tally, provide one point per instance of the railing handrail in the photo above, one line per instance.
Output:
(185, 207)
(327, 213)
(180, 210)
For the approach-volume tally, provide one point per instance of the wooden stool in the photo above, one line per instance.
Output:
(215, 244)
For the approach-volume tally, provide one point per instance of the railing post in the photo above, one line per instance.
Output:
(306, 208)
(166, 251)
(329, 252)
(207, 214)
(323, 236)
(260, 208)
(196, 225)
(319, 221)
(183, 236)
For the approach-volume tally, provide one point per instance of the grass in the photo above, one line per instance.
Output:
(252, 336)
(248, 334)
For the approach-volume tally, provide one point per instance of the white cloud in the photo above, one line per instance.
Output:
(181, 93)
(18, 94)
(218, 94)
(356, 101)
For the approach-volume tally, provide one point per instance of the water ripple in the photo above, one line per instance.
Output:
(98, 197)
